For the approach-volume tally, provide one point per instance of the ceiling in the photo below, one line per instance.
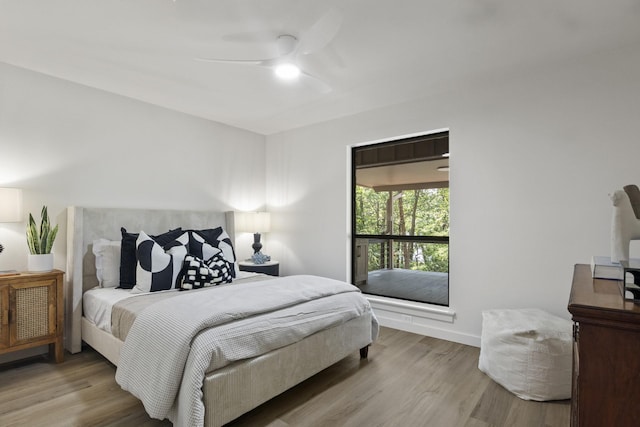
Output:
(379, 53)
(404, 176)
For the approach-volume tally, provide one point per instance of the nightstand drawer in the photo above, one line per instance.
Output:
(272, 268)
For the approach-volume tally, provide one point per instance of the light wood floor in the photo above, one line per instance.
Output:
(409, 380)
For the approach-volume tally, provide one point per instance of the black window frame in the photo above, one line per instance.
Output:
(391, 238)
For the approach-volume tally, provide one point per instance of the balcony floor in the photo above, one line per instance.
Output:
(412, 285)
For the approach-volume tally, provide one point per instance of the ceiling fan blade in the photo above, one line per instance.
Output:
(321, 32)
(315, 82)
(262, 36)
(260, 62)
(334, 57)
(231, 61)
(305, 78)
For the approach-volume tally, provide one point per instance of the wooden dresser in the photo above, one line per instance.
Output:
(606, 353)
(32, 312)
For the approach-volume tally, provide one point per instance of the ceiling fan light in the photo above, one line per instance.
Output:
(287, 71)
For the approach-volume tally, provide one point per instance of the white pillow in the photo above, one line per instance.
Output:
(107, 254)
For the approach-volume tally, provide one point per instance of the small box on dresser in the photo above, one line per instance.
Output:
(630, 285)
(32, 312)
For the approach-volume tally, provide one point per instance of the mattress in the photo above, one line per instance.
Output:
(97, 303)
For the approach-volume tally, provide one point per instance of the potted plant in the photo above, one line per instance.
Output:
(40, 242)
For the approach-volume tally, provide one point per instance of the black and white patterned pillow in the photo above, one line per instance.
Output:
(198, 273)
(159, 266)
(217, 238)
(128, 257)
(199, 248)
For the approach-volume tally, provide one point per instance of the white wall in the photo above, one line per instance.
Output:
(533, 155)
(67, 144)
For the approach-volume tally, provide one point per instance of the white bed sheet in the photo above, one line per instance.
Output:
(97, 303)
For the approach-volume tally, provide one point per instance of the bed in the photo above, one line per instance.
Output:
(227, 391)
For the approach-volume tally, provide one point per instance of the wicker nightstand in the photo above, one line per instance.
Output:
(32, 310)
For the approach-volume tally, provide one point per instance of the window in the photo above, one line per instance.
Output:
(400, 218)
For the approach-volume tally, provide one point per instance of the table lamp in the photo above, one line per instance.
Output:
(10, 210)
(256, 223)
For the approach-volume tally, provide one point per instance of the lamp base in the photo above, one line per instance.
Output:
(260, 258)
(256, 243)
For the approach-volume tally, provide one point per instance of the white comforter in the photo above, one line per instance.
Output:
(173, 343)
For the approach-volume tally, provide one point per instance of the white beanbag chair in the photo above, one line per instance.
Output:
(528, 352)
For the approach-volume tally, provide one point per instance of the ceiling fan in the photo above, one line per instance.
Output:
(286, 64)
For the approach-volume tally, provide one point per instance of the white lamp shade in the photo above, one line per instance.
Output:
(10, 205)
(253, 222)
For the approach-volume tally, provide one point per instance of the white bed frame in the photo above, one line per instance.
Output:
(228, 392)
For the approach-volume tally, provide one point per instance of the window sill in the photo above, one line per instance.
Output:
(407, 310)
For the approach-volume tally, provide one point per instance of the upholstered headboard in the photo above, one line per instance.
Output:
(84, 225)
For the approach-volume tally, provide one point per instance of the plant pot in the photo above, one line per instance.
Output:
(39, 263)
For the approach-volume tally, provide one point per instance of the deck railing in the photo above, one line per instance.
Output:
(428, 253)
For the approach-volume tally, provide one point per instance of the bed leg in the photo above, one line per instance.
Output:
(364, 352)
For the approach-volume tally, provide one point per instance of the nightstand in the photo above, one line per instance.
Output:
(272, 268)
(32, 310)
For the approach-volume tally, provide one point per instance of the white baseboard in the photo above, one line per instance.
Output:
(419, 318)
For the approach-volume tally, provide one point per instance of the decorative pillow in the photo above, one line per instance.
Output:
(128, 257)
(218, 238)
(158, 267)
(107, 254)
(199, 273)
(199, 248)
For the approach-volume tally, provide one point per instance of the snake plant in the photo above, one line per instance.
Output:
(41, 243)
